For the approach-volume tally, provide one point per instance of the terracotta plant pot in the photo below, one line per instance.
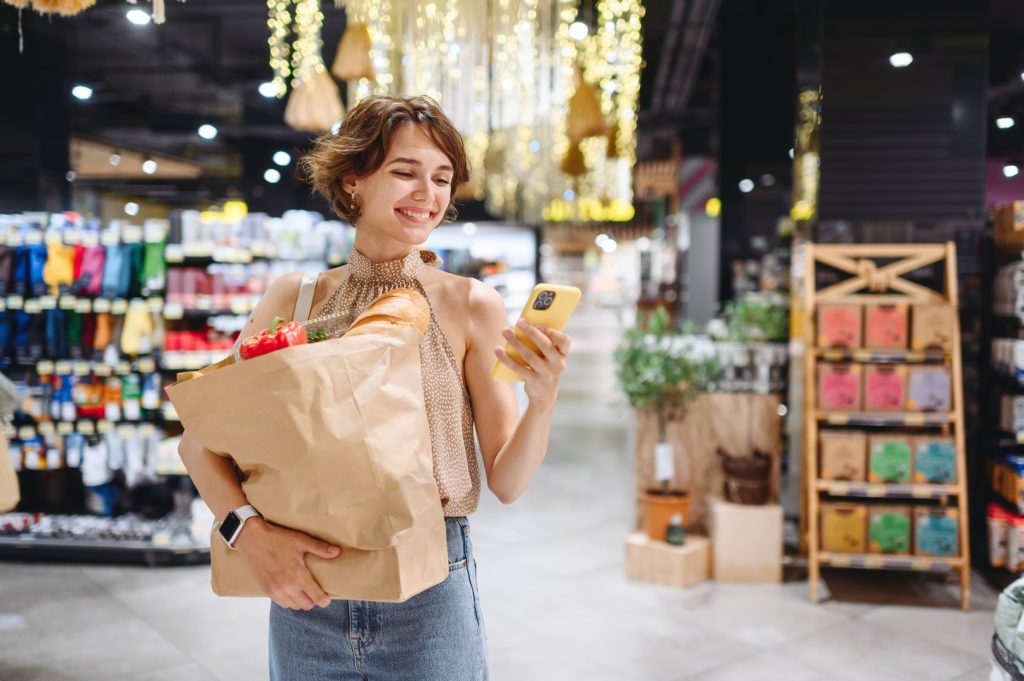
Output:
(659, 507)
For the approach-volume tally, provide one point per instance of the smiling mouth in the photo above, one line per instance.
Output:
(418, 216)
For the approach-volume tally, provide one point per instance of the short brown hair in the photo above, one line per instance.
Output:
(363, 141)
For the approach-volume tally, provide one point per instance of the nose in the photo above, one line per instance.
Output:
(421, 192)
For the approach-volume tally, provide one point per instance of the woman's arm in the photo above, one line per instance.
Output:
(275, 554)
(513, 447)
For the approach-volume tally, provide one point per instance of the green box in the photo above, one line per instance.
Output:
(935, 461)
(889, 529)
(937, 532)
(890, 459)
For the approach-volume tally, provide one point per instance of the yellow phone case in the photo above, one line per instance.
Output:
(555, 316)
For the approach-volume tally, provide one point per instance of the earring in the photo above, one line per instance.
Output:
(352, 204)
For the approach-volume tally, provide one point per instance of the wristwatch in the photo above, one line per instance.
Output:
(233, 523)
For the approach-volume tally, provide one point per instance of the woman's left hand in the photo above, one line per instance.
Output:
(544, 367)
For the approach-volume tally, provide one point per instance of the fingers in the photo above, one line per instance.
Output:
(529, 355)
(503, 357)
(318, 548)
(539, 339)
(561, 341)
(312, 591)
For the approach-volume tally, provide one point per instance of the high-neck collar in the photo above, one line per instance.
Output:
(400, 269)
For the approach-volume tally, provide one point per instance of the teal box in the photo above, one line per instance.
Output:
(935, 461)
(936, 532)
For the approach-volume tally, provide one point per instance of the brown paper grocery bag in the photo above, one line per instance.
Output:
(331, 439)
(9, 494)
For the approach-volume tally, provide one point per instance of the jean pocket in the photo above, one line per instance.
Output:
(458, 565)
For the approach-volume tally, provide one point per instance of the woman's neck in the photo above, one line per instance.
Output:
(381, 249)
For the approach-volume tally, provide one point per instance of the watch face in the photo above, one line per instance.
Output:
(229, 526)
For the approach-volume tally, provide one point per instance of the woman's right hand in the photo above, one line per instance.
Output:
(277, 557)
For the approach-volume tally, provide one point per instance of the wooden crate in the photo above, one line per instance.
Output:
(655, 561)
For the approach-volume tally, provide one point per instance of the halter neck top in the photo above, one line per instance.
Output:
(449, 412)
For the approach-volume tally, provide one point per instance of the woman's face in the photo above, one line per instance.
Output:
(406, 198)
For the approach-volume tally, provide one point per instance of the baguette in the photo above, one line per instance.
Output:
(397, 308)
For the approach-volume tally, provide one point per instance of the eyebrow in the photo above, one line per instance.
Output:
(414, 162)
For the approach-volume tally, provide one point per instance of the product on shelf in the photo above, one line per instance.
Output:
(998, 535)
(933, 326)
(1011, 413)
(889, 458)
(936, 531)
(885, 387)
(928, 389)
(843, 527)
(839, 326)
(934, 460)
(885, 327)
(1014, 542)
(1008, 479)
(889, 529)
(1008, 225)
(844, 455)
(840, 387)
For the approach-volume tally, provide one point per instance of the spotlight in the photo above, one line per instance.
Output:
(746, 185)
(82, 92)
(115, 159)
(131, 208)
(1005, 122)
(282, 158)
(269, 90)
(901, 59)
(207, 131)
(791, 152)
(1011, 170)
(272, 175)
(578, 30)
(138, 17)
(469, 229)
(149, 166)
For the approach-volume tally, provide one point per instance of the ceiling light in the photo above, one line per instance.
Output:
(138, 17)
(901, 59)
(601, 240)
(115, 159)
(282, 158)
(207, 131)
(269, 90)
(71, 176)
(610, 246)
(767, 179)
(272, 175)
(82, 92)
(791, 152)
(1022, 75)
(578, 30)
(643, 244)
(469, 229)
(149, 166)
(1004, 122)
(131, 208)
(746, 185)
(1010, 170)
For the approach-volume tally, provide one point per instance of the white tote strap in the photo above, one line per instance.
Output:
(304, 303)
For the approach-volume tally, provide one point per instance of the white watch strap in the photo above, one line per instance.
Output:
(246, 512)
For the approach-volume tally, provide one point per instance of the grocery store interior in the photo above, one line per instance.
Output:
(789, 439)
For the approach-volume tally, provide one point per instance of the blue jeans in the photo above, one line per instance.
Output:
(436, 635)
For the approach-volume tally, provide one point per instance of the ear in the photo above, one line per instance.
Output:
(350, 185)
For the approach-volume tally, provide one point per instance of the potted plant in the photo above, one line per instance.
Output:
(662, 370)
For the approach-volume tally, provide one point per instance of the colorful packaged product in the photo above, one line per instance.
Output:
(843, 527)
(889, 458)
(889, 529)
(936, 531)
(885, 388)
(839, 326)
(839, 386)
(933, 326)
(844, 455)
(928, 389)
(934, 460)
(998, 535)
(886, 326)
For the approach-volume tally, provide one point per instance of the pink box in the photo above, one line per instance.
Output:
(885, 388)
(886, 326)
(839, 326)
(839, 387)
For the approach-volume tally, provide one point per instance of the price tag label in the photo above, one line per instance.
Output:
(90, 239)
(839, 560)
(53, 236)
(73, 236)
(34, 237)
(240, 305)
(119, 306)
(15, 302)
(877, 490)
(44, 368)
(156, 231)
(161, 539)
(110, 238)
(26, 433)
(839, 488)
(46, 428)
(65, 427)
(101, 305)
(836, 418)
(132, 234)
(104, 426)
(86, 427)
(199, 250)
(81, 368)
(123, 368)
(102, 370)
(32, 306)
(126, 430)
(147, 430)
(204, 302)
(15, 239)
(921, 491)
(920, 564)
(63, 367)
(146, 365)
(47, 303)
(174, 253)
(173, 311)
(873, 562)
(68, 302)
(83, 306)
(914, 419)
(155, 304)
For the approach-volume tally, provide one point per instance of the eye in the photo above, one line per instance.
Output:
(402, 173)
(442, 181)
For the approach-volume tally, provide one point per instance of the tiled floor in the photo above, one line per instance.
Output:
(557, 604)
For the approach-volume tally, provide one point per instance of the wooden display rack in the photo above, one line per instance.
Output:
(887, 286)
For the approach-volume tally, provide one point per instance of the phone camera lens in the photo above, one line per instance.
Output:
(544, 300)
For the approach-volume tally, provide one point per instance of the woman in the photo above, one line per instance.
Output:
(392, 171)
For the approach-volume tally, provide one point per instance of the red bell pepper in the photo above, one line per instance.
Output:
(279, 335)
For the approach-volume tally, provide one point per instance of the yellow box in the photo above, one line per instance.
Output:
(656, 561)
(746, 542)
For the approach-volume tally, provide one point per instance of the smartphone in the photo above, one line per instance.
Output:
(550, 305)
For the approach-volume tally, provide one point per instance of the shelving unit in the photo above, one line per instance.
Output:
(876, 273)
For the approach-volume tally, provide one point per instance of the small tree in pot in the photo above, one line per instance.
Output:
(662, 371)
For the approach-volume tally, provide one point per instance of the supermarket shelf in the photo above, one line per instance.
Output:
(883, 356)
(874, 561)
(843, 488)
(891, 419)
(26, 547)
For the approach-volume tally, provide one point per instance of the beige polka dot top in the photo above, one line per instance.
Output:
(456, 468)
